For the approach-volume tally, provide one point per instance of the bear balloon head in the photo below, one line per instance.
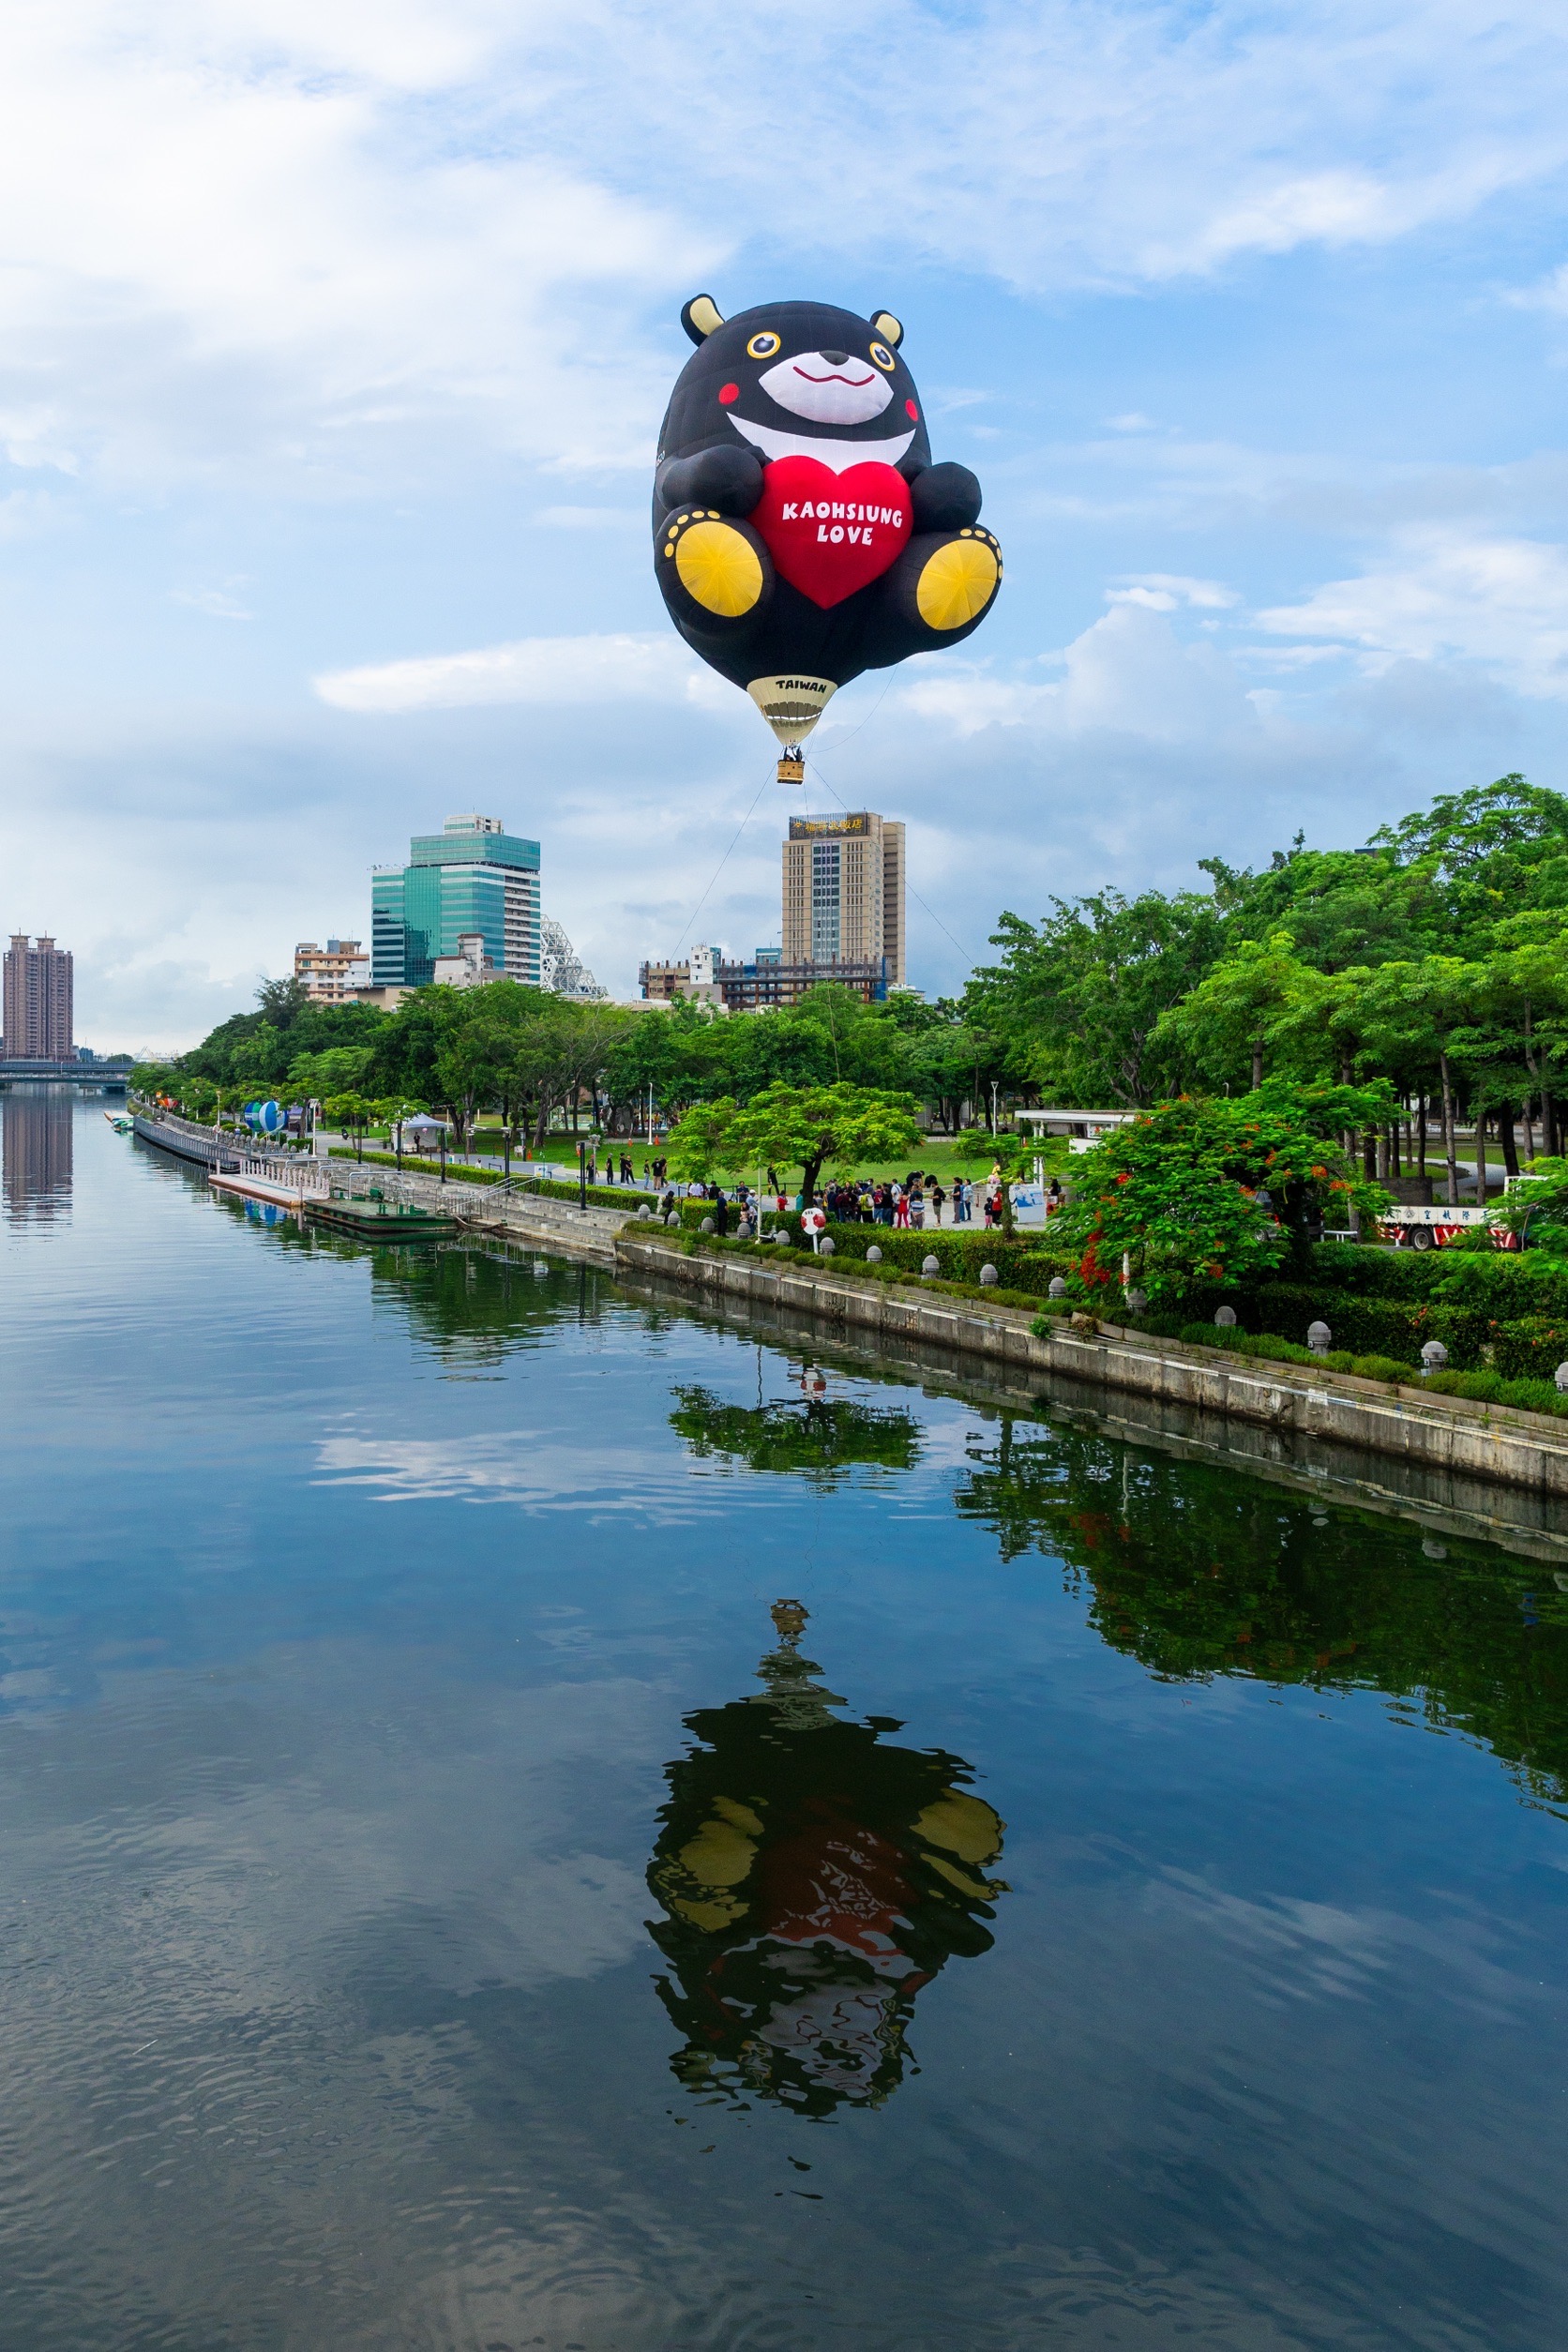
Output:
(796, 375)
(802, 534)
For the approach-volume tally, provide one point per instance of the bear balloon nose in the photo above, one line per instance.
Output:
(836, 358)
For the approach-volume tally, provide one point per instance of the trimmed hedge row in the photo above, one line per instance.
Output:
(693, 1238)
(1491, 1388)
(1021, 1266)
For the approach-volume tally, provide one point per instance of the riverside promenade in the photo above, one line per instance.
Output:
(1449, 1453)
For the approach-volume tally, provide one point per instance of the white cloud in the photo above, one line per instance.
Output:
(1163, 592)
(310, 234)
(653, 666)
(1128, 673)
(1502, 602)
(216, 602)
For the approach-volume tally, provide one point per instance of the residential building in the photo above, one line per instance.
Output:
(469, 968)
(762, 984)
(332, 974)
(844, 892)
(471, 879)
(39, 1001)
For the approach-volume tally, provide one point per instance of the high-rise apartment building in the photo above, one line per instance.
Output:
(331, 973)
(471, 879)
(37, 1001)
(844, 892)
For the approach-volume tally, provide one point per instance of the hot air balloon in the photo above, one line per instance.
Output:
(801, 532)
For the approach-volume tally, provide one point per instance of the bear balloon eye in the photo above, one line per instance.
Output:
(884, 357)
(762, 346)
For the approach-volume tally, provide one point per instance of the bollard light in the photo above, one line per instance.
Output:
(1562, 1377)
(1225, 1318)
(1318, 1339)
(873, 1258)
(825, 1247)
(707, 1225)
(1056, 1288)
(1434, 1356)
(929, 1266)
(1137, 1301)
(988, 1273)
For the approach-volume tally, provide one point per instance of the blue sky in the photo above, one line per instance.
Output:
(334, 340)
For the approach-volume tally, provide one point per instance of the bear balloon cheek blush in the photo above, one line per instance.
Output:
(827, 387)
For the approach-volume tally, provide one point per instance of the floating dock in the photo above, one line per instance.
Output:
(373, 1218)
(282, 1185)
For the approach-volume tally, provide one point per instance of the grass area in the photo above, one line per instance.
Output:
(934, 1155)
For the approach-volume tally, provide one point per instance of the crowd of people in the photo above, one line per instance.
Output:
(911, 1206)
(908, 1207)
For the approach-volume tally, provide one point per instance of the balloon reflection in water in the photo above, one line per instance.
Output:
(814, 1878)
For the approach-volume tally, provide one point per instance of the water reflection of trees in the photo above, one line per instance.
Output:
(1197, 1572)
(813, 1878)
(821, 1436)
(472, 1308)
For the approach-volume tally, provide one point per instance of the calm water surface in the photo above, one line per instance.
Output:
(521, 1826)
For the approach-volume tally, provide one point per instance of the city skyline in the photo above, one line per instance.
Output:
(332, 389)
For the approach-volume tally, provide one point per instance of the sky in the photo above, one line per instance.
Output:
(334, 342)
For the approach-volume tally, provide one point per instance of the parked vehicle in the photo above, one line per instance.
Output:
(1430, 1229)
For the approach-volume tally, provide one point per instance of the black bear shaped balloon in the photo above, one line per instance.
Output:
(801, 532)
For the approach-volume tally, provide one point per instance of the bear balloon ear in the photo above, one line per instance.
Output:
(889, 328)
(699, 317)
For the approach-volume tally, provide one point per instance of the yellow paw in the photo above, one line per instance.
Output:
(717, 566)
(959, 580)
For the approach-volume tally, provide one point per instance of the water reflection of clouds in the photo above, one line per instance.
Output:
(536, 1469)
(1292, 1949)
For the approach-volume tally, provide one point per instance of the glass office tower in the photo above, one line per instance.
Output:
(471, 876)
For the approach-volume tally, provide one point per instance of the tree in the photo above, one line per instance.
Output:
(281, 1001)
(1217, 1190)
(804, 1127)
(349, 1114)
(701, 1145)
(1222, 1025)
(1079, 998)
(1413, 1010)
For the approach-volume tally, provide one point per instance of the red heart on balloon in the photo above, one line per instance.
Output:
(830, 532)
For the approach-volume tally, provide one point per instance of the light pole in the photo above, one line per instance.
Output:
(993, 1107)
(583, 1175)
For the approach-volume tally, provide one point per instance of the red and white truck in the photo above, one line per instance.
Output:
(1430, 1229)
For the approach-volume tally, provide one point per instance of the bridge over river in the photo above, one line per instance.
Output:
(63, 1074)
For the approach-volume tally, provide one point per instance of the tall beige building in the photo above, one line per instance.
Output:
(844, 891)
(37, 1001)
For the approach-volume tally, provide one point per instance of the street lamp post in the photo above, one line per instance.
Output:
(583, 1175)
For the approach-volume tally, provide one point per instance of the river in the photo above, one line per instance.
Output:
(533, 1818)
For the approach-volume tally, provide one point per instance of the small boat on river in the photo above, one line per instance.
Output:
(121, 1121)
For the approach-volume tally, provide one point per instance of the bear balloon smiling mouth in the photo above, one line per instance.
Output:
(820, 385)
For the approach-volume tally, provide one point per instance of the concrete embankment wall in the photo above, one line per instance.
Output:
(1444, 1502)
(1449, 1436)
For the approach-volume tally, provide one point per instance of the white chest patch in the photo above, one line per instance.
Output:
(837, 455)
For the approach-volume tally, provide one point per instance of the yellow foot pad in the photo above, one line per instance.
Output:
(959, 580)
(718, 565)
